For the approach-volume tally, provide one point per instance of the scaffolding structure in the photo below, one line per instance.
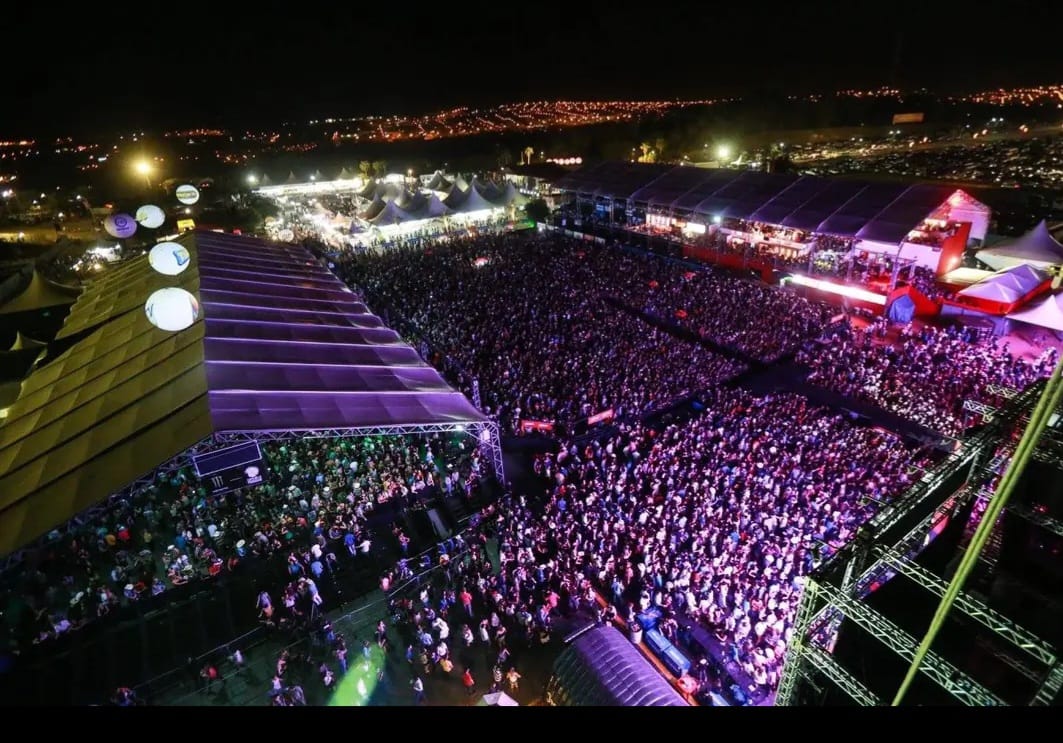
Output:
(484, 433)
(886, 549)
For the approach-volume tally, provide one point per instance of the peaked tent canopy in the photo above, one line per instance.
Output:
(405, 199)
(1047, 313)
(510, 196)
(281, 345)
(1036, 248)
(497, 699)
(1009, 286)
(487, 189)
(345, 175)
(439, 182)
(374, 208)
(434, 207)
(455, 196)
(392, 213)
(473, 202)
(368, 190)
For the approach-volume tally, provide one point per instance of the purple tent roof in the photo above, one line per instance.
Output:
(286, 356)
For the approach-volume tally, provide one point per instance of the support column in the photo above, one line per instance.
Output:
(786, 694)
(488, 440)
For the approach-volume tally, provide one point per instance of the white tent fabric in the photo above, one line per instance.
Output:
(510, 195)
(439, 182)
(1007, 286)
(375, 207)
(405, 199)
(1036, 248)
(1046, 314)
(487, 189)
(390, 214)
(473, 202)
(434, 207)
(498, 699)
(992, 291)
(369, 190)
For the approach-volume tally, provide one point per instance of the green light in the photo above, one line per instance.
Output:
(356, 688)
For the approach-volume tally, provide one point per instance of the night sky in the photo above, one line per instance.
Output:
(157, 65)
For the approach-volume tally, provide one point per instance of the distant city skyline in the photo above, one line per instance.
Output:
(225, 65)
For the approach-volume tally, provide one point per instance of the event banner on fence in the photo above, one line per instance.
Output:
(526, 425)
(605, 415)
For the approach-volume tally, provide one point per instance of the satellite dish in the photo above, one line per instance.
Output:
(187, 194)
(150, 216)
(120, 225)
(171, 309)
(286, 235)
(169, 259)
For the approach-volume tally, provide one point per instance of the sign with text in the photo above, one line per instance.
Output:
(545, 426)
(231, 468)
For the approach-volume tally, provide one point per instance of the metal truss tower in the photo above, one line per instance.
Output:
(885, 549)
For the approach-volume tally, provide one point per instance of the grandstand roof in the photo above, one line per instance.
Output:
(282, 345)
(883, 212)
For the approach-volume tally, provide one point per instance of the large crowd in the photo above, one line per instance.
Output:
(530, 321)
(323, 503)
(925, 374)
(573, 339)
(718, 518)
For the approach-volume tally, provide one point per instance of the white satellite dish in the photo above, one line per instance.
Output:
(169, 258)
(187, 194)
(171, 309)
(150, 216)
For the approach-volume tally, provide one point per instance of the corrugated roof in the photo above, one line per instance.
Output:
(884, 212)
(283, 345)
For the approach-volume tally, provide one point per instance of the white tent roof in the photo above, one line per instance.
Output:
(390, 214)
(487, 189)
(1009, 285)
(498, 699)
(472, 202)
(374, 208)
(510, 195)
(1047, 313)
(990, 290)
(1036, 248)
(434, 207)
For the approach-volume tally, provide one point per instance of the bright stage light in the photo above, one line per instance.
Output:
(853, 292)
